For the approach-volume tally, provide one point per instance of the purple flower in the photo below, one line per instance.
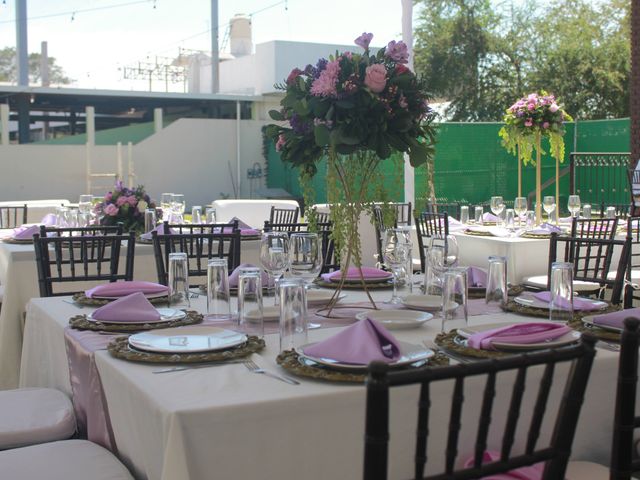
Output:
(107, 197)
(397, 51)
(298, 125)
(119, 185)
(364, 40)
(320, 66)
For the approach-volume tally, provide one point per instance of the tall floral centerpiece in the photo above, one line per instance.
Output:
(355, 109)
(126, 206)
(527, 122)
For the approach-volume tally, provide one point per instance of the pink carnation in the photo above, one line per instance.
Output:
(376, 77)
(133, 201)
(325, 84)
(111, 210)
(531, 106)
(528, 122)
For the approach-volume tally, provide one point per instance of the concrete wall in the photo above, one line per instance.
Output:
(196, 157)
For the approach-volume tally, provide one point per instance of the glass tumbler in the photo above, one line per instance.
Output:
(561, 298)
(435, 269)
(293, 313)
(218, 296)
(84, 203)
(530, 219)
(611, 212)
(496, 292)
(405, 237)
(179, 279)
(454, 299)
(196, 215)
(464, 214)
(586, 210)
(477, 214)
(510, 218)
(210, 215)
(250, 311)
(149, 219)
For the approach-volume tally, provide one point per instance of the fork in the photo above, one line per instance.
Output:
(254, 368)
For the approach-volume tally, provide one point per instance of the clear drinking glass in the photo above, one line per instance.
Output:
(84, 219)
(520, 207)
(561, 295)
(218, 296)
(611, 212)
(477, 214)
(305, 258)
(84, 203)
(530, 219)
(210, 215)
(165, 205)
(497, 205)
(71, 218)
(454, 299)
(274, 256)
(408, 268)
(177, 207)
(61, 217)
(510, 219)
(293, 313)
(196, 215)
(464, 214)
(549, 205)
(149, 219)
(394, 253)
(435, 269)
(250, 312)
(496, 291)
(179, 279)
(573, 204)
(586, 210)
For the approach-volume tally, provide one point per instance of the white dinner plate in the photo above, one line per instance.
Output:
(187, 339)
(531, 301)
(396, 319)
(410, 354)
(567, 338)
(166, 315)
(382, 277)
(588, 320)
(425, 303)
(147, 295)
(317, 297)
(269, 314)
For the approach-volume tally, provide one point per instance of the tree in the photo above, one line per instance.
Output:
(9, 71)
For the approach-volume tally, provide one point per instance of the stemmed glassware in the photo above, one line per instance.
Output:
(395, 253)
(574, 205)
(84, 203)
(442, 255)
(497, 206)
(520, 207)
(549, 205)
(274, 256)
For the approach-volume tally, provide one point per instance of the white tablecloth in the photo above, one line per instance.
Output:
(226, 423)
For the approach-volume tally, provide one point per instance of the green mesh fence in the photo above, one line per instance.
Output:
(471, 165)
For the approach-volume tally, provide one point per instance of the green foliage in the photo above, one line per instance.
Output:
(480, 54)
(9, 73)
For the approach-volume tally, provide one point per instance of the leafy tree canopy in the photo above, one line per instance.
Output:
(9, 70)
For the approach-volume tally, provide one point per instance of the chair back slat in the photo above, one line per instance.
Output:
(401, 217)
(283, 215)
(633, 234)
(594, 227)
(485, 419)
(429, 224)
(513, 414)
(540, 408)
(422, 432)
(13, 216)
(454, 425)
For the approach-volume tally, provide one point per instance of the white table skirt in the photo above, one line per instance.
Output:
(224, 422)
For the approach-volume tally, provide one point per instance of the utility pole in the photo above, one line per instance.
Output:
(215, 57)
(22, 53)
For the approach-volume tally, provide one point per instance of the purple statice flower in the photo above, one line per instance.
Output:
(325, 84)
(119, 186)
(320, 66)
(397, 51)
(364, 40)
(298, 125)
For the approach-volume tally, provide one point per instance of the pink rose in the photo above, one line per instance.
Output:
(293, 76)
(528, 122)
(554, 107)
(121, 200)
(111, 210)
(545, 125)
(531, 106)
(281, 142)
(132, 200)
(376, 78)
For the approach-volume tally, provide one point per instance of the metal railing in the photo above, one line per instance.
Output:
(600, 178)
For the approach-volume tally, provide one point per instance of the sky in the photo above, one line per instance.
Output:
(92, 46)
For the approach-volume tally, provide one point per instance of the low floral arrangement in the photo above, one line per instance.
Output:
(530, 119)
(354, 102)
(125, 206)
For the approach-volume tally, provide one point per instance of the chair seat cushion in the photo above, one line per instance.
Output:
(540, 281)
(34, 415)
(64, 460)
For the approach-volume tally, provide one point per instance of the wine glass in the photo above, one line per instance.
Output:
(520, 207)
(549, 205)
(395, 255)
(274, 256)
(165, 205)
(84, 203)
(497, 206)
(178, 206)
(449, 244)
(305, 259)
(574, 205)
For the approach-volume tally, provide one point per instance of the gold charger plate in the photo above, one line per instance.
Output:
(578, 325)
(120, 348)
(80, 322)
(512, 306)
(448, 342)
(477, 234)
(15, 241)
(355, 285)
(291, 361)
(82, 299)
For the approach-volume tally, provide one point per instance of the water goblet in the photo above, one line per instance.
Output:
(305, 259)
(520, 207)
(549, 205)
(497, 206)
(573, 204)
(274, 256)
(165, 205)
(395, 256)
(210, 215)
(464, 214)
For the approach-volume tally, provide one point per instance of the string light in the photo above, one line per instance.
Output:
(85, 10)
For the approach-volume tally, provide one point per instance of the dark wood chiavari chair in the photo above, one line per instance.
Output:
(401, 217)
(632, 275)
(427, 225)
(283, 215)
(13, 216)
(69, 259)
(594, 227)
(211, 228)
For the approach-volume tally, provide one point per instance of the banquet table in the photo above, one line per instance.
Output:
(18, 275)
(224, 422)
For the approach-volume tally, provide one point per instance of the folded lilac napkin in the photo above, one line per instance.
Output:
(490, 217)
(49, 220)
(233, 278)
(241, 225)
(353, 273)
(545, 228)
(149, 235)
(360, 343)
(244, 232)
(616, 319)
(122, 289)
(476, 277)
(521, 333)
(534, 472)
(581, 304)
(132, 308)
(25, 233)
